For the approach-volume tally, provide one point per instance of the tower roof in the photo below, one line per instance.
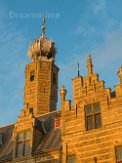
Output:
(42, 47)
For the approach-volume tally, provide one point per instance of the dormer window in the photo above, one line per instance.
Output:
(32, 75)
(23, 143)
(93, 116)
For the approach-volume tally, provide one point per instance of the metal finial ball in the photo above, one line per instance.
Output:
(43, 27)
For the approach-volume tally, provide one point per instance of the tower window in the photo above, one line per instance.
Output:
(93, 116)
(118, 151)
(23, 143)
(32, 75)
(31, 110)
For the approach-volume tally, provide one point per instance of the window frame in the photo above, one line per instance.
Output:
(93, 114)
(23, 142)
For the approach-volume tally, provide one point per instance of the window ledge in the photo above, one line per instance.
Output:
(93, 131)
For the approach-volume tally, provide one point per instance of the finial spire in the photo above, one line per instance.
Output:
(63, 93)
(89, 65)
(43, 25)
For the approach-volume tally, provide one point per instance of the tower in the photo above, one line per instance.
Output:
(41, 76)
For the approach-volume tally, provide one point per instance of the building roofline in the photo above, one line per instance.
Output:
(58, 110)
(7, 125)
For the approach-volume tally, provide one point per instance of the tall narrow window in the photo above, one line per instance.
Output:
(31, 110)
(32, 75)
(118, 151)
(71, 159)
(23, 143)
(27, 143)
(93, 116)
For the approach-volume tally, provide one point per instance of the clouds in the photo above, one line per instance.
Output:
(12, 43)
(97, 19)
(99, 6)
(109, 53)
(84, 30)
(107, 58)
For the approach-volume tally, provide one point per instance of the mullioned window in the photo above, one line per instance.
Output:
(93, 116)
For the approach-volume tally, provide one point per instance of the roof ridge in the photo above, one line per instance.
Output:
(48, 113)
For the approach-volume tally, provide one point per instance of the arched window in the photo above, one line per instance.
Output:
(32, 75)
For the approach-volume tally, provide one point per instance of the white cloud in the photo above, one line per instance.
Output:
(111, 50)
(84, 29)
(107, 58)
(99, 6)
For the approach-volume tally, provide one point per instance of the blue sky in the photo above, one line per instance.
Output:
(78, 28)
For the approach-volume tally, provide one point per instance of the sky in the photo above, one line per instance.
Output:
(77, 27)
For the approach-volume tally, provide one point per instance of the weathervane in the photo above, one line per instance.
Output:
(43, 25)
(78, 70)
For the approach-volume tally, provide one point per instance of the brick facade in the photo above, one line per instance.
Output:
(96, 145)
